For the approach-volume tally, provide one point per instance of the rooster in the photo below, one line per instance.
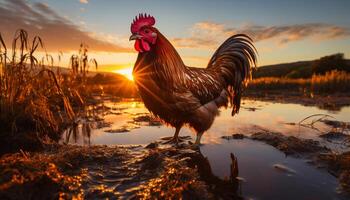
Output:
(180, 95)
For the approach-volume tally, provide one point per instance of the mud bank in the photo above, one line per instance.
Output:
(290, 145)
(337, 164)
(119, 172)
(327, 102)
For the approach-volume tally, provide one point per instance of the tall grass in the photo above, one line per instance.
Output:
(76, 81)
(79, 91)
(32, 102)
(80, 63)
(331, 82)
(273, 83)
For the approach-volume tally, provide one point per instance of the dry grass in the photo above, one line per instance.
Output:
(32, 100)
(331, 82)
(80, 64)
(272, 83)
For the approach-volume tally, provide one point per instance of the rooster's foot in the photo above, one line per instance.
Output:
(195, 146)
(175, 140)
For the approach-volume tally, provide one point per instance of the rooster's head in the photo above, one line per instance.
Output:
(143, 32)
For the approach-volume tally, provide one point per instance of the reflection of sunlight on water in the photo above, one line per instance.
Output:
(255, 159)
(133, 105)
(270, 116)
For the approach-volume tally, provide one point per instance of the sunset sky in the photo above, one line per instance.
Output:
(284, 31)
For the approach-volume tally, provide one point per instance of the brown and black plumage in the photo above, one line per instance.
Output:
(182, 95)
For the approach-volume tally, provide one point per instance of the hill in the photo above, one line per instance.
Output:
(304, 68)
(300, 69)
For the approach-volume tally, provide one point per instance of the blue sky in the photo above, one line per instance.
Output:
(114, 16)
(284, 31)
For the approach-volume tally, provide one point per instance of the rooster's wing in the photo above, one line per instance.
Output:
(205, 84)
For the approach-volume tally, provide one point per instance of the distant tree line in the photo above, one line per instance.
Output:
(330, 63)
(305, 69)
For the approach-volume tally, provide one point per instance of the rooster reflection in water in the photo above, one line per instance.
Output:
(182, 95)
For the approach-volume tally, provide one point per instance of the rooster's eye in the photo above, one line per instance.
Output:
(146, 31)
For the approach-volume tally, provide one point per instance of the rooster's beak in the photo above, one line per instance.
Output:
(135, 36)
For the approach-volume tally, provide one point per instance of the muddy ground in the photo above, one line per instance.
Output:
(155, 170)
(126, 172)
(336, 163)
(144, 172)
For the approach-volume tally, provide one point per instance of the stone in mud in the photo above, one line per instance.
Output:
(146, 118)
(252, 109)
(226, 137)
(123, 129)
(290, 145)
(118, 130)
(236, 136)
(152, 145)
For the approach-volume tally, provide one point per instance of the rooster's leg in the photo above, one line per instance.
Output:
(175, 139)
(198, 139)
(176, 135)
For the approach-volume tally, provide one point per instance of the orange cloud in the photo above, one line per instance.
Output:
(84, 1)
(209, 34)
(57, 32)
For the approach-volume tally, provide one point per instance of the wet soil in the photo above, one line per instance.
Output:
(156, 170)
(119, 172)
(338, 164)
(290, 145)
(137, 172)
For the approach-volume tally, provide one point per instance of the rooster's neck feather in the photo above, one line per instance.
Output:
(163, 64)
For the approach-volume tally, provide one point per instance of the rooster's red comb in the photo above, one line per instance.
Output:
(140, 21)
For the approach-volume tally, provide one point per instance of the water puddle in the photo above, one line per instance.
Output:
(268, 174)
(264, 171)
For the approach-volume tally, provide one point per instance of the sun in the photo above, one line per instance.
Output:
(127, 72)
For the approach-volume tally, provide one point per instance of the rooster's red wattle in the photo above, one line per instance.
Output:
(182, 95)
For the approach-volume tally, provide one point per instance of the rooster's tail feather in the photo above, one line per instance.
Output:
(234, 60)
